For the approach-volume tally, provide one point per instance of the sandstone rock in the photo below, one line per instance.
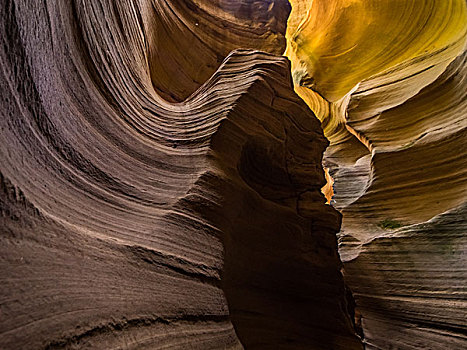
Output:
(387, 79)
(131, 221)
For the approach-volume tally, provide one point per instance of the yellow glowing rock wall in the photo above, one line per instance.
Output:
(387, 79)
(338, 43)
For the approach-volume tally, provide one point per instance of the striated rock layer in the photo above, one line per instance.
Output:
(131, 222)
(387, 79)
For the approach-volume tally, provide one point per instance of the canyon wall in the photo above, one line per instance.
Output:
(161, 168)
(158, 190)
(387, 79)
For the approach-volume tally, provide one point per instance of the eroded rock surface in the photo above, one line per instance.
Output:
(131, 222)
(388, 81)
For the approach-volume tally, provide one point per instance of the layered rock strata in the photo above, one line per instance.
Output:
(130, 221)
(388, 81)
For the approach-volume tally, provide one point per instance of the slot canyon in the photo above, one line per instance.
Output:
(233, 174)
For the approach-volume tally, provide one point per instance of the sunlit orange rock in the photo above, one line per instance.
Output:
(388, 81)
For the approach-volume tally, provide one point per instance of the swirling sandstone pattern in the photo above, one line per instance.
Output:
(131, 222)
(388, 81)
(202, 33)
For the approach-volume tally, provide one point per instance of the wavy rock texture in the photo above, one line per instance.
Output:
(337, 44)
(128, 221)
(202, 33)
(387, 79)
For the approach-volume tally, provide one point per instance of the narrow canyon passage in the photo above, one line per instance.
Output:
(162, 167)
